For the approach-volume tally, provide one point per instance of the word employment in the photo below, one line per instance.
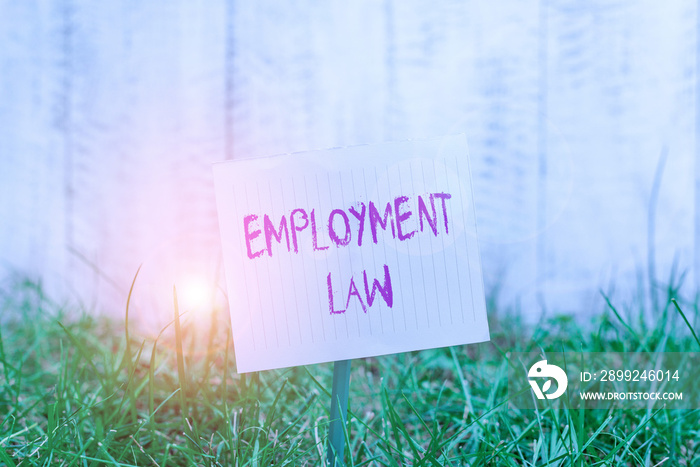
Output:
(401, 218)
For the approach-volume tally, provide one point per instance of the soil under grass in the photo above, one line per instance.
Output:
(76, 391)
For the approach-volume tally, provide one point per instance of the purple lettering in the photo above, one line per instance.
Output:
(250, 236)
(400, 217)
(423, 211)
(331, 230)
(386, 290)
(375, 218)
(314, 234)
(443, 197)
(360, 217)
(330, 297)
(271, 232)
(353, 291)
(296, 228)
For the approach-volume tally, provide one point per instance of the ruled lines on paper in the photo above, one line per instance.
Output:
(350, 252)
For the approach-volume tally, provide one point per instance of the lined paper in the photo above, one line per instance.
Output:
(350, 252)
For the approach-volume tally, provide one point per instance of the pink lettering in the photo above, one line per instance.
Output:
(296, 228)
(360, 216)
(375, 218)
(331, 229)
(443, 197)
(386, 291)
(423, 212)
(314, 233)
(277, 234)
(250, 236)
(353, 291)
(401, 217)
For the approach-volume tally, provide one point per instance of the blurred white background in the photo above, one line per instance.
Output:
(112, 112)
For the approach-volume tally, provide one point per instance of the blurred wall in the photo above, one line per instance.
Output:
(111, 114)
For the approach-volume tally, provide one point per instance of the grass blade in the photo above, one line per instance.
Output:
(686, 321)
(180, 364)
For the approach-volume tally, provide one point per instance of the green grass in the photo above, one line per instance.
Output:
(81, 391)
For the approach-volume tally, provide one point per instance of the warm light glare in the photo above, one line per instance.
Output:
(195, 294)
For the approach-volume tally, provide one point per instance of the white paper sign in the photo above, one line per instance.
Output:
(350, 252)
